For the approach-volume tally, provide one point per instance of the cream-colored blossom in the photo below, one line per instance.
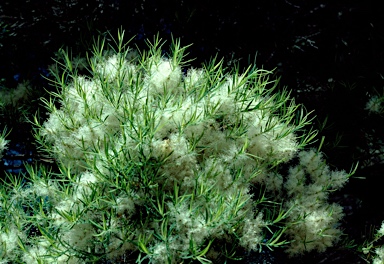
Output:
(375, 104)
(164, 76)
(379, 258)
(252, 232)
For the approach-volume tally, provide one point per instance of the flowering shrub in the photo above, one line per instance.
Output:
(168, 166)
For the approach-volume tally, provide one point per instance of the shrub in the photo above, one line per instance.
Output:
(170, 165)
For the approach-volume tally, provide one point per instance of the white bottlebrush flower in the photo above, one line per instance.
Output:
(160, 253)
(125, 206)
(316, 229)
(252, 236)
(266, 143)
(274, 182)
(379, 258)
(83, 183)
(308, 185)
(80, 236)
(36, 252)
(109, 68)
(375, 104)
(9, 239)
(163, 76)
(195, 78)
(45, 189)
(311, 160)
(381, 230)
(295, 184)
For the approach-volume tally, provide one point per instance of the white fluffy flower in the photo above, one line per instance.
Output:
(381, 230)
(164, 76)
(374, 105)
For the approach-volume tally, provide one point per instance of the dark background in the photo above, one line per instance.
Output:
(329, 53)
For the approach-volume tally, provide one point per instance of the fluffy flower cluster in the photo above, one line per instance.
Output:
(375, 104)
(307, 187)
